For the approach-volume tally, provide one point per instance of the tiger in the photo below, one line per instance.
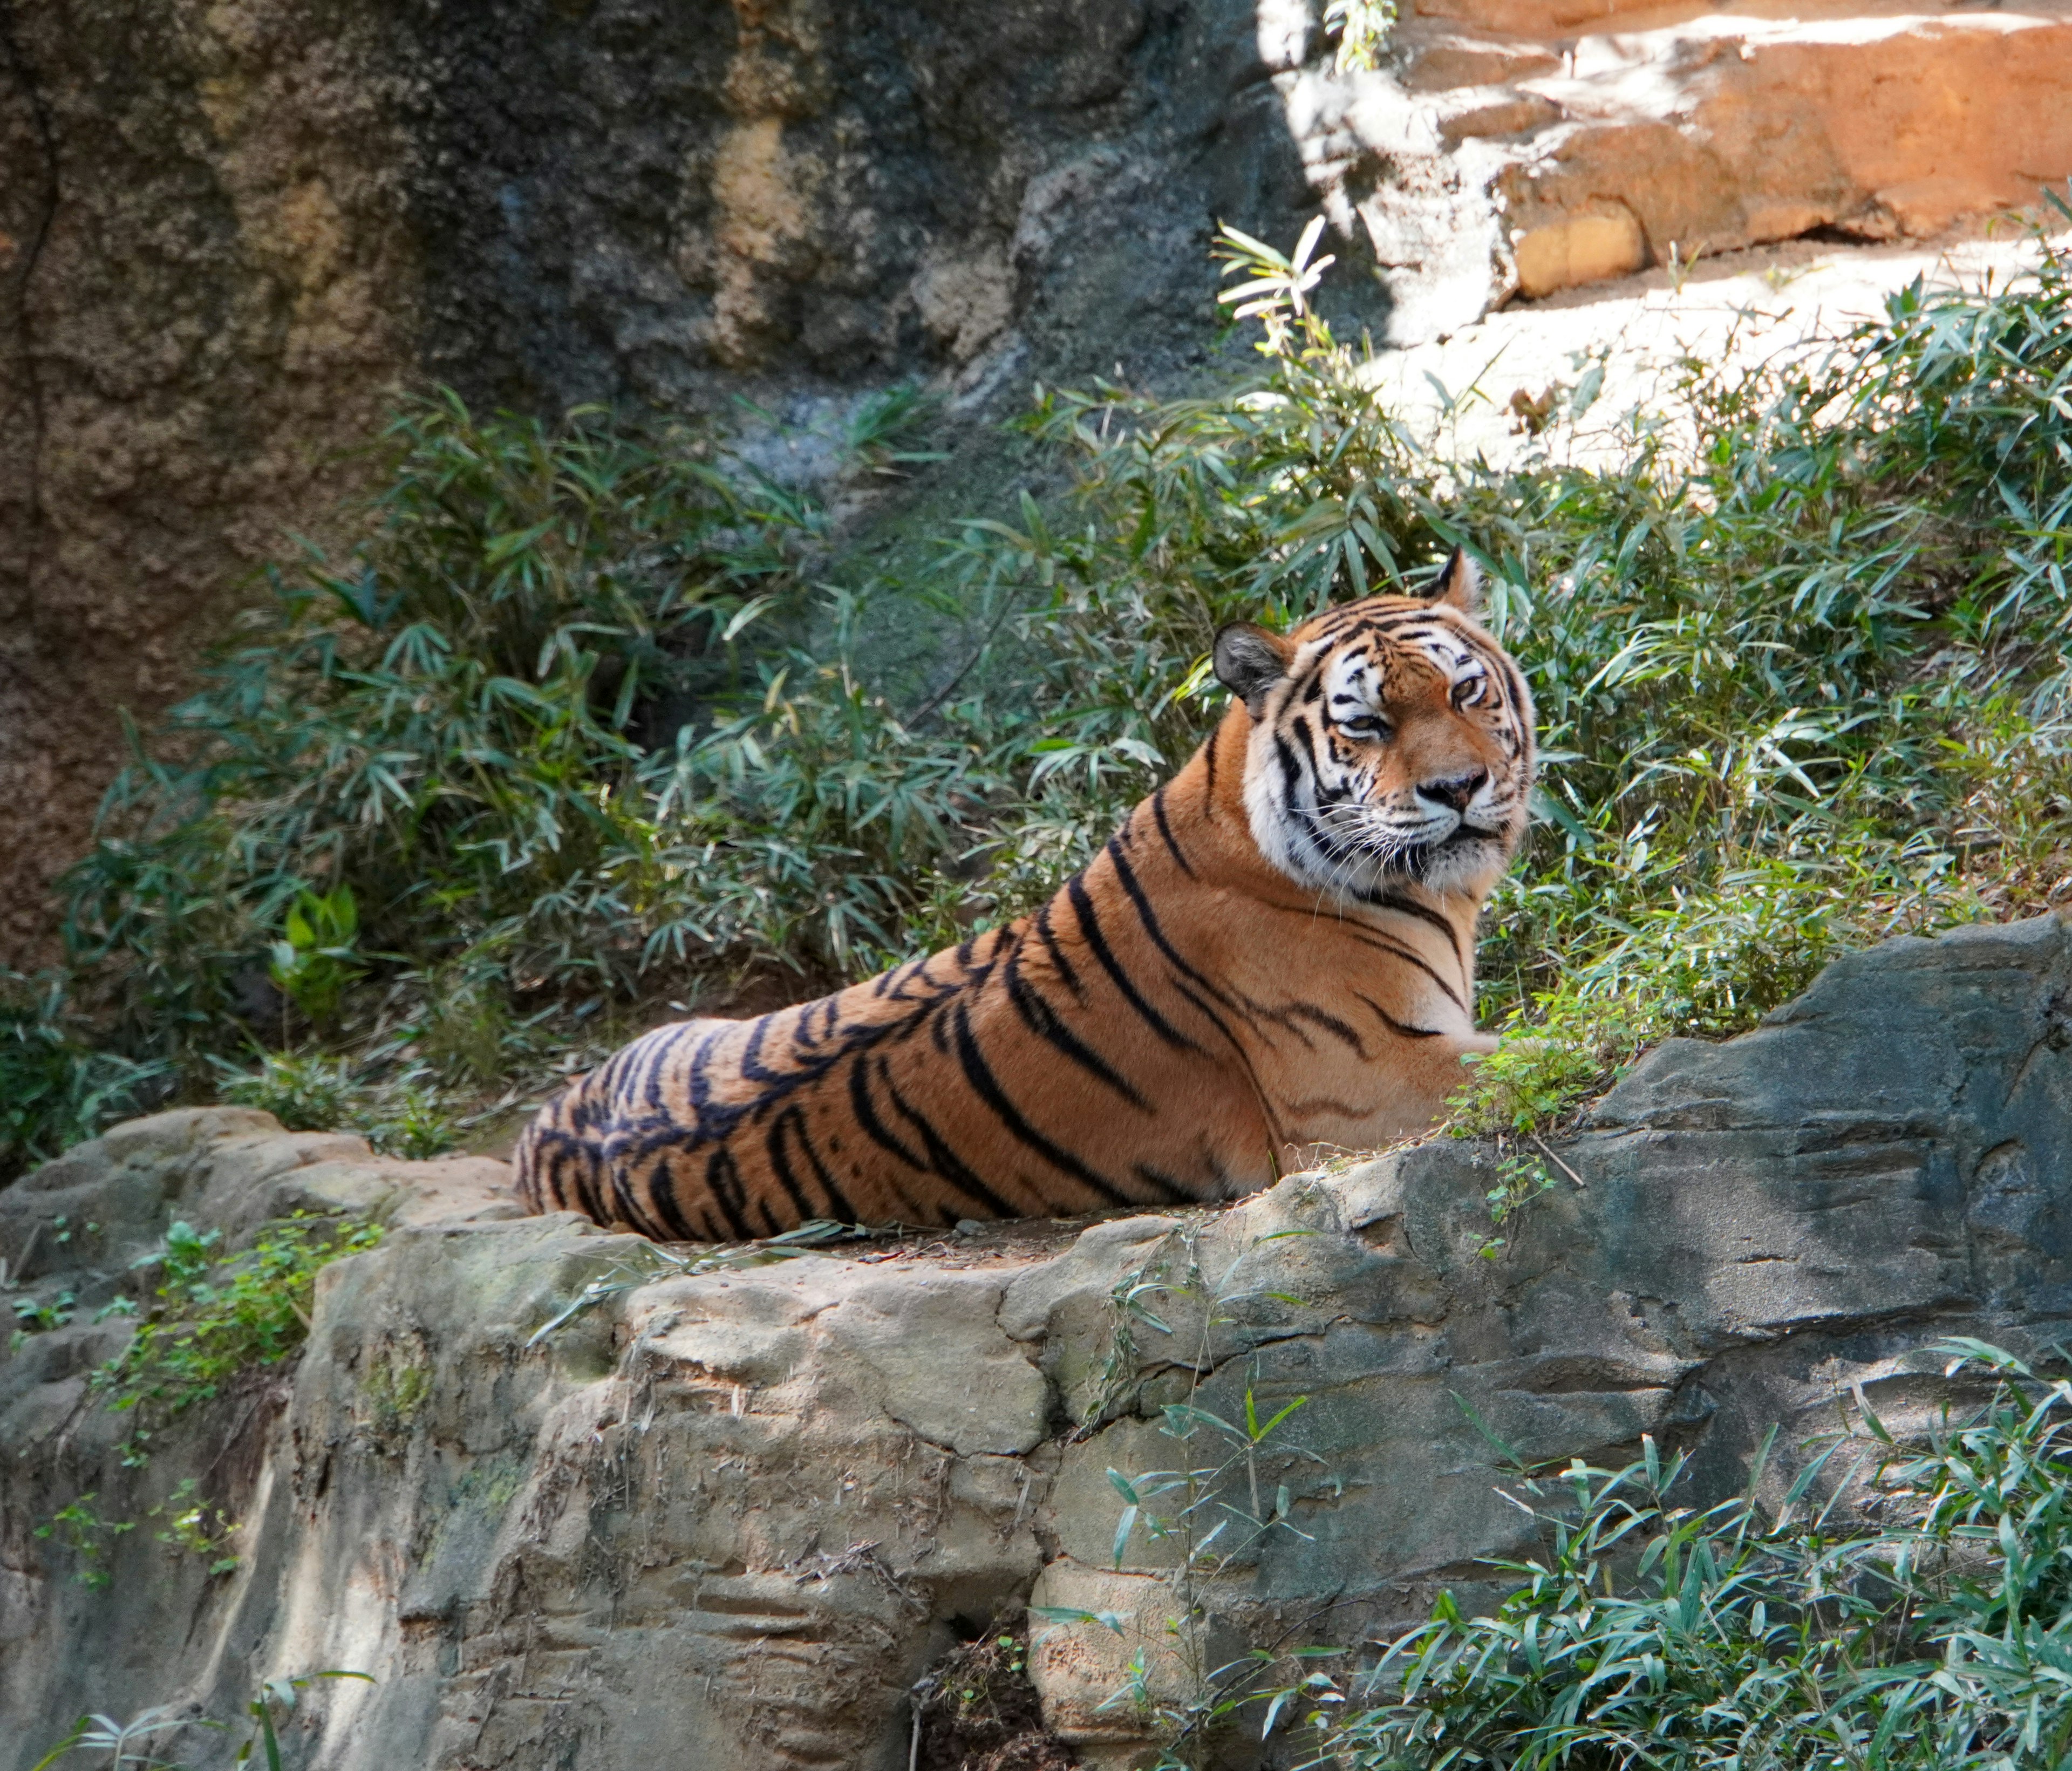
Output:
(1271, 960)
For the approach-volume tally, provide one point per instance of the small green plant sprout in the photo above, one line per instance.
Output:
(193, 1527)
(219, 1314)
(1357, 31)
(1681, 264)
(281, 1696)
(1778, 277)
(976, 1706)
(1277, 287)
(183, 1261)
(1520, 1180)
(76, 1526)
(125, 1742)
(306, 1092)
(1129, 1308)
(409, 1121)
(39, 1316)
(63, 1230)
(316, 960)
(878, 435)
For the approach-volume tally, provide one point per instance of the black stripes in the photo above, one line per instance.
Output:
(1290, 769)
(1048, 935)
(788, 1138)
(1043, 1021)
(1133, 890)
(667, 1198)
(944, 1160)
(1389, 899)
(983, 1083)
(1083, 908)
(873, 1128)
(1166, 830)
(1402, 1029)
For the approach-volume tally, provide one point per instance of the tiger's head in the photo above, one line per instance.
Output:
(1391, 741)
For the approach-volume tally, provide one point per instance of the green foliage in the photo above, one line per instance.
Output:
(426, 745)
(1521, 1179)
(1204, 1518)
(1359, 29)
(879, 434)
(1653, 1633)
(39, 1316)
(128, 1744)
(193, 1527)
(55, 1089)
(78, 1528)
(316, 962)
(1579, 1046)
(563, 738)
(217, 1315)
(307, 1092)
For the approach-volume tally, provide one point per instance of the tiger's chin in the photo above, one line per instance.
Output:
(1468, 861)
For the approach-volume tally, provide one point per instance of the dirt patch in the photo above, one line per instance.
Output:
(977, 1711)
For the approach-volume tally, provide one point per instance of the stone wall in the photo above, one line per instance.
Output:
(729, 1518)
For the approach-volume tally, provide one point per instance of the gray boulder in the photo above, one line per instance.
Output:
(729, 1518)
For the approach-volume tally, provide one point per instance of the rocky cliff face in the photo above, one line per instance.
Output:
(731, 1517)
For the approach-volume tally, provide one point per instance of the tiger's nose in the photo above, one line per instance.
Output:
(1454, 790)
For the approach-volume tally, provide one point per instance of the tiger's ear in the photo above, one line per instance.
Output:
(1460, 585)
(1249, 661)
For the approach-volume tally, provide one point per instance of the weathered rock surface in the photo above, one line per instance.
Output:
(1530, 146)
(729, 1518)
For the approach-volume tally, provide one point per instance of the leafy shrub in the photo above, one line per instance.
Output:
(567, 739)
(76, 1527)
(316, 962)
(56, 1088)
(305, 1093)
(1655, 1633)
(400, 1116)
(433, 736)
(219, 1314)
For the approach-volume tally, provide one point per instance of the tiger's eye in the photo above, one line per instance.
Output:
(1467, 693)
(1365, 725)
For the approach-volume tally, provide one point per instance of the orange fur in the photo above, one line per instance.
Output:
(1195, 1012)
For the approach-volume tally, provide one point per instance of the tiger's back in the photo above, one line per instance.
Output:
(1246, 975)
